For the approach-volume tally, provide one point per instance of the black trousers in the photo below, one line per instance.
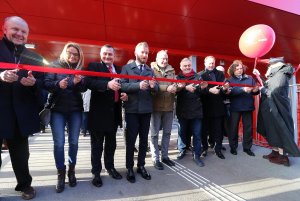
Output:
(19, 155)
(97, 140)
(247, 129)
(213, 127)
(137, 124)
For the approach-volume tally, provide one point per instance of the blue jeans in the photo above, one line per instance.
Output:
(193, 125)
(84, 122)
(58, 123)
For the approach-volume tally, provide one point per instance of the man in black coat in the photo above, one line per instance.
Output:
(274, 120)
(19, 91)
(104, 115)
(213, 108)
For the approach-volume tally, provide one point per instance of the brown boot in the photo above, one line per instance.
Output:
(280, 160)
(271, 155)
(61, 176)
(71, 176)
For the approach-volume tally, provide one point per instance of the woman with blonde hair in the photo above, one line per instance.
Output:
(66, 109)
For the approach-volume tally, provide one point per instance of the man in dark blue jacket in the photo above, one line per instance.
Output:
(19, 101)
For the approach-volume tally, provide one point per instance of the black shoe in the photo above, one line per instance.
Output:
(233, 151)
(97, 181)
(223, 148)
(198, 161)
(130, 175)
(28, 193)
(114, 173)
(181, 155)
(249, 152)
(168, 162)
(203, 154)
(220, 155)
(158, 165)
(142, 170)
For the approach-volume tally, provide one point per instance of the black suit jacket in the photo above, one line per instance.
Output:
(213, 105)
(105, 114)
(19, 104)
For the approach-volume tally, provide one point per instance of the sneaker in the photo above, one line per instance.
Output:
(28, 193)
(158, 165)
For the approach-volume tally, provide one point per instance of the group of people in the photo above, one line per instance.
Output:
(148, 104)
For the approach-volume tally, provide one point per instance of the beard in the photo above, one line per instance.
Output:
(141, 59)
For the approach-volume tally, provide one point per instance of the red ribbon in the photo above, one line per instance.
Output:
(47, 69)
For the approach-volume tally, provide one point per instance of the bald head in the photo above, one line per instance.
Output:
(16, 30)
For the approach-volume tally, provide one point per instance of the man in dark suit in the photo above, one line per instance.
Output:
(104, 115)
(213, 107)
(19, 91)
(138, 109)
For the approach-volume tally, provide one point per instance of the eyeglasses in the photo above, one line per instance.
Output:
(71, 53)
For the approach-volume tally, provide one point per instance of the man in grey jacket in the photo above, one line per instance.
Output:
(138, 109)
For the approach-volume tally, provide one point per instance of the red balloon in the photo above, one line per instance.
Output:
(257, 41)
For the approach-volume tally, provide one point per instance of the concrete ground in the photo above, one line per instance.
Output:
(236, 178)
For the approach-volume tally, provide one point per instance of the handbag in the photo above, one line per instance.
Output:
(45, 114)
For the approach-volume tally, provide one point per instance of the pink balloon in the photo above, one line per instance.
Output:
(257, 40)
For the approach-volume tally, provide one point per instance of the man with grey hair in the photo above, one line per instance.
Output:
(163, 106)
(19, 91)
(138, 109)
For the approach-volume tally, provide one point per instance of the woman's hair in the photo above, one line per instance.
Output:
(64, 55)
(235, 64)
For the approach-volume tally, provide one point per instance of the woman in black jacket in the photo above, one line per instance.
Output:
(66, 110)
(189, 110)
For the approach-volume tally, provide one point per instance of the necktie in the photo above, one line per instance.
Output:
(141, 68)
(116, 92)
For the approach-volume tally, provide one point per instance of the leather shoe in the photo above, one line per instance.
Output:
(28, 193)
(181, 155)
(223, 148)
(114, 173)
(220, 155)
(158, 165)
(130, 175)
(142, 170)
(249, 152)
(233, 151)
(168, 162)
(97, 181)
(273, 154)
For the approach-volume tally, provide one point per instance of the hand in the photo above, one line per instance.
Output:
(181, 85)
(255, 89)
(29, 80)
(190, 88)
(172, 88)
(226, 86)
(63, 83)
(152, 83)
(256, 72)
(144, 85)
(203, 85)
(77, 79)
(9, 75)
(114, 84)
(214, 90)
(247, 89)
(124, 96)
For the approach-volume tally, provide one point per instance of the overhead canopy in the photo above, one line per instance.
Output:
(184, 27)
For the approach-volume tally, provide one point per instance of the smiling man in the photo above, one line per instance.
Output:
(105, 114)
(19, 101)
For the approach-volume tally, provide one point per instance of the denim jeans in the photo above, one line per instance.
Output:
(58, 123)
(84, 122)
(194, 126)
